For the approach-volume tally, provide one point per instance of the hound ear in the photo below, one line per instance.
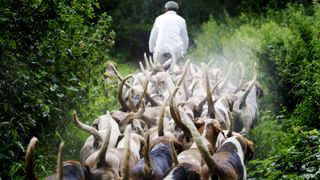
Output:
(199, 123)
(143, 143)
(259, 89)
(143, 124)
(248, 148)
(136, 126)
(217, 128)
(212, 130)
(141, 140)
(177, 145)
(95, 124)
(119, 139)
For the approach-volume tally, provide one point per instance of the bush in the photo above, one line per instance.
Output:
(299, 161)
(51, 54)
(285, 44)
(296, 58)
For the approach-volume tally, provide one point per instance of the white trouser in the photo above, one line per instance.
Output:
(163, 56)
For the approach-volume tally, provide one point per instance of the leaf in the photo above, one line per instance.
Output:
(12, 44)
(71, 88)
(18, 143)
(60, 95)
(53, 87)
(4, 123)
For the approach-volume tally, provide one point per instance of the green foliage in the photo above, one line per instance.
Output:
(270, 134)
(52, 54)
(285, 44)
(296, 57)
(259, 6)
(299, 161)
(133, 21)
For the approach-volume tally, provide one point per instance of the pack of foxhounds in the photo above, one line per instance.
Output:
(176, 122)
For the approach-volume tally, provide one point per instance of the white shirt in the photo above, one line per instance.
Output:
(169, 34)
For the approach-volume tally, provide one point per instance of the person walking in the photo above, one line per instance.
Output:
(169, 36)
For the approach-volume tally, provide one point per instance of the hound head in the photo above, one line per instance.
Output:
(210, 129)
(190, 108)
(161, 82)
(100, 122)
(166, 140)
(259, 90)
(138, 126)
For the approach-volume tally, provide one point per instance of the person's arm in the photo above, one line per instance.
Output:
(153, 37)
(184, 37)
